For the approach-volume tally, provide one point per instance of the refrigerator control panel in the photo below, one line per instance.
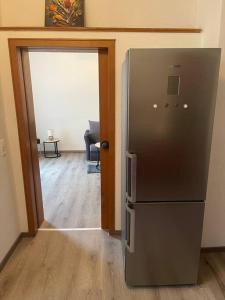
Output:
(167, 105)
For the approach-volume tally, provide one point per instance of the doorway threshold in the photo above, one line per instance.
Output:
(68, 229)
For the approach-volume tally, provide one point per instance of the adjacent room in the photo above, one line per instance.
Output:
(66, 104)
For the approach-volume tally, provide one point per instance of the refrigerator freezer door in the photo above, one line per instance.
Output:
(171, 101)
(166, 245)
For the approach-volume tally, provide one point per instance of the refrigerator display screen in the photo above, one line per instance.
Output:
(173, 85)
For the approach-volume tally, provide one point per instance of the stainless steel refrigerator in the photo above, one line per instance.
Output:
(171, 95)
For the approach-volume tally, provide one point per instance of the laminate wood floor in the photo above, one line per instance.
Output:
(71, 197)
(78, 265)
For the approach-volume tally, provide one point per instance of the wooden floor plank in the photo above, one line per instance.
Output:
(71, 197)
(89, 265)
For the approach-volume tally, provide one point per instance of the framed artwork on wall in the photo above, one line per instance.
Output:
(63, 13)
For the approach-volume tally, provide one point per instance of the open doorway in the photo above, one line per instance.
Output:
(20, 65)
(65, 86)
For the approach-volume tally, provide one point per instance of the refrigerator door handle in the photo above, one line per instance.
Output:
(130, 229)
(131, 177)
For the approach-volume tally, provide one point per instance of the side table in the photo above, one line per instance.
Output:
(55, 153)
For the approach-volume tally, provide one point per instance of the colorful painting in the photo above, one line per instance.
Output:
(64, 13)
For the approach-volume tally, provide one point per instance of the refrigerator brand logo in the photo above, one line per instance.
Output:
(175, 66)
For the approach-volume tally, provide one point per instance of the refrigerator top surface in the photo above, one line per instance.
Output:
(174, 49)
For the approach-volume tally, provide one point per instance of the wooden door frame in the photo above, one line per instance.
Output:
(26, 122)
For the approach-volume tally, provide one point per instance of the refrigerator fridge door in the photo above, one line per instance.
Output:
(131, 169)
(162, 244)
(171, 101)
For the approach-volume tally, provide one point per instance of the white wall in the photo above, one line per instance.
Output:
(209, 19)
(214, 224)
(144, 13)
(9, 226)
(66, 95)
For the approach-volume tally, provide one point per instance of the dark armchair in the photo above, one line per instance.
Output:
(91, 150)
